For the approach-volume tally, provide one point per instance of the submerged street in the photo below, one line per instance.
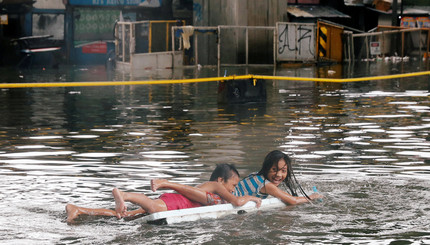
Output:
(365, 145)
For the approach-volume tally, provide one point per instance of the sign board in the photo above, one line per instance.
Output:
(140, 3)
(375, 48)
(423, 22)
(95, 48)
(295, 41)
(4, 19)
(94, 23)
(408, 22)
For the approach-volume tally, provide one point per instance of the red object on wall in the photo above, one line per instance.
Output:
(95, 48)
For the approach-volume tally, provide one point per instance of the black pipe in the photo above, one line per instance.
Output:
(394, 19)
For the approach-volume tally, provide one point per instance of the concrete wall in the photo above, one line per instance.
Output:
(48, 18)
(296, 41)
(238, 13)
(49, 4)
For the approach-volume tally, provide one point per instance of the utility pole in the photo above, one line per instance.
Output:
(394, 18)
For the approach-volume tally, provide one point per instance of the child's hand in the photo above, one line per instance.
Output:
(257, 201)
(315, 196)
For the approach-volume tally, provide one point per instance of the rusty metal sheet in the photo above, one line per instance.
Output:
(313, 11)
(5, 2)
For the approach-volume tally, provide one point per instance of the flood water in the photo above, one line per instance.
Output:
(364, 145)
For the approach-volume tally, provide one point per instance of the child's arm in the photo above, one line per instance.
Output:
(240, 201)
(220, 190)
(273, 190)
(198, 194)
(193, 193)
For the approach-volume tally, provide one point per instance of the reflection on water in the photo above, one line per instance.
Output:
(365, 145)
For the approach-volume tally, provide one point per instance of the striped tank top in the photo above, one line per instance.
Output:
(251, 186)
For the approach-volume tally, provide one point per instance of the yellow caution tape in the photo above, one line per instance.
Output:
(345, 80)
(210, 79)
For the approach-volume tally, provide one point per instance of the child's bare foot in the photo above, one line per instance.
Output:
(120, 207)
(135, 212)
(157, 183)
(72, 213)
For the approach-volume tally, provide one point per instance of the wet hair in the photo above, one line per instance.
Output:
(225, 171)
(290, 181)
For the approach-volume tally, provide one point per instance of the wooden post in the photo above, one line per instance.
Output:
(352, 47)
(275, 48)
(367, 48)
(131, 45)
(150, 38)
(173, 38)
(403, 44)
(383, 43)
(219, 47)
(133, 39)
(196, 50)
(246, 44)
(419, 40)
(116, 41)
(167, 36)
(123, 42)
(428, 41)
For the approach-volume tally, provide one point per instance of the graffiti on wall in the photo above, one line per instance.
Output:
(296, 42)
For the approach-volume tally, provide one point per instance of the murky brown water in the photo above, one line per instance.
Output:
(365, 145)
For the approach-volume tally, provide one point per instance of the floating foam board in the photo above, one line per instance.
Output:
(208, 212)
